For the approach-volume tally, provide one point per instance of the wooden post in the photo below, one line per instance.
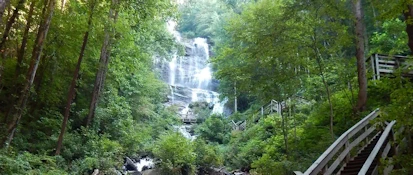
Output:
(325, 168)
(377, 66)
(391, 140)
(348, 154)
(372, 66)
(271, 107)
(262, 110)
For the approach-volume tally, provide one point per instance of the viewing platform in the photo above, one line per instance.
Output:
(385, 65)
(189, 120)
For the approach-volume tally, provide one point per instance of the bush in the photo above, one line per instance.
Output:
(26, 163)
(176, 154)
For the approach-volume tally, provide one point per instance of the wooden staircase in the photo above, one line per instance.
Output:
(354, 165)
(358, 150)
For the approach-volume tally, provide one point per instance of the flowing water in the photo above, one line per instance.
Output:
(190, 78)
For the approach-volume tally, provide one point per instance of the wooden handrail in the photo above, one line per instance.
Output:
(373, 155)
(343, 140)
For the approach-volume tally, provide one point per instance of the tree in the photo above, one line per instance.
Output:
(361, 68)
(20, 54)
(3, 5)
(71, 92)
(11, 22)
(103, 61)
(37, 50)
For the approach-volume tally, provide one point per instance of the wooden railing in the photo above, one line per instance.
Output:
(382, 65)
(269, 108)
(385, 139)
(339, 153)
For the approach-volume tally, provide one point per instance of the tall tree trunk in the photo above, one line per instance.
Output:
(361, 67)
(3, 5)
(72, 90)
(11, 22)
(37, 50)
(20, 54)
(103, 63)
(408, 15)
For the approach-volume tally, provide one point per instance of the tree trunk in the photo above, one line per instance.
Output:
(3, 5)
(319, 58)
(37, 50)
(103, 63)
(11, 22)
(72, 91)
(361, 67)
(20, 54)
(408, 15)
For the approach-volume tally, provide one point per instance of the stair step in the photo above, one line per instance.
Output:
(354, 166)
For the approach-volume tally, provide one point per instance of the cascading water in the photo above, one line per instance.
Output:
(190, 78)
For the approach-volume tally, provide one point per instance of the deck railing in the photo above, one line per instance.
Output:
(382, 65)
(269, 108)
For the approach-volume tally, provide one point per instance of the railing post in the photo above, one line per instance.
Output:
(365, 130)
(348, 154)
(391, 140)
(271, 107)
(325, 168)
(372, 67)
(377, 66)
(262, 110)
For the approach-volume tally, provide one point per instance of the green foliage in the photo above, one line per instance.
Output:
(391, 40)
(202, 110)
(207, 155)
(199, 18)
(214, 129)
(176, 153)
(26, 163)
(130, 114)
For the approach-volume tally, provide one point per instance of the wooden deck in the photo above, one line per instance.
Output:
(385, 65)
(189, 120)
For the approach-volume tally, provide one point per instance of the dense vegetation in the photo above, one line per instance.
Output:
(310, 55)
(78, 91)
(87, 64)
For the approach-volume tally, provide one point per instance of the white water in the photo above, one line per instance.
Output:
(148, 162)
(184, 130)
(190, 78)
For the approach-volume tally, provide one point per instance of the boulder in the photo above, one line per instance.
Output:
(130, 165)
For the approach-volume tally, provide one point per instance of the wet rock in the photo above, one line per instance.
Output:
(130, 165)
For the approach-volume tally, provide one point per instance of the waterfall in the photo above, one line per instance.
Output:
(172, 93)
(190, 78)
(172, 68)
